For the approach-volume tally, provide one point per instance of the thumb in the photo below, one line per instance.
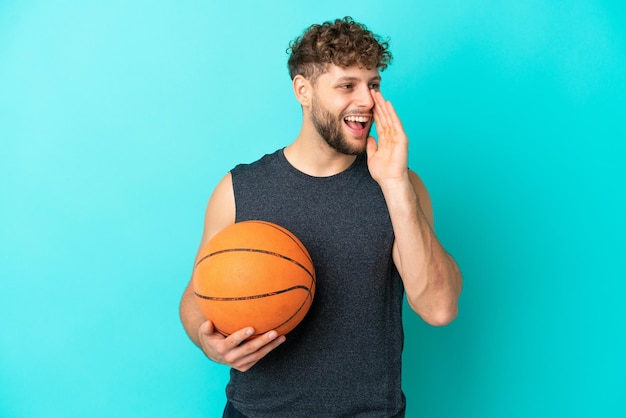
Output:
(371, 146)
(206, 328)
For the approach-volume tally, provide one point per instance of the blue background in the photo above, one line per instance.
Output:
(117, 119)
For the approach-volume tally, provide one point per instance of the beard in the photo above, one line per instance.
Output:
(330, 128)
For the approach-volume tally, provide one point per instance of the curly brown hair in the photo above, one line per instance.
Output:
(343, 42)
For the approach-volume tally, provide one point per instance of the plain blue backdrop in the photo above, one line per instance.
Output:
(117, 119)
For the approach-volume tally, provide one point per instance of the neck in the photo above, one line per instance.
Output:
(311, 154)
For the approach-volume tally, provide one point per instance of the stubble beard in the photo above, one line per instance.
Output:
(329, 128)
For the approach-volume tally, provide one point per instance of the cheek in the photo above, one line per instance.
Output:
(335, 104)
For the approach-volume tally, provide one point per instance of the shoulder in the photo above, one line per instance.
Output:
(220, 210)
(265, 161)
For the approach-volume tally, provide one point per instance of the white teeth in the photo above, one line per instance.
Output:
(357, 118)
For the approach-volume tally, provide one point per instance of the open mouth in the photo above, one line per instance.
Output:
(357, 123)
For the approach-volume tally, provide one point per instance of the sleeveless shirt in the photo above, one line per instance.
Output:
(344, 358)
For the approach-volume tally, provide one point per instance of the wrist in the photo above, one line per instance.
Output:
(393, 185)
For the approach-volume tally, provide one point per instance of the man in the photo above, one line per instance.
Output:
(367, 222)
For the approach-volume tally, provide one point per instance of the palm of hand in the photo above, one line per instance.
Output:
(387, 159)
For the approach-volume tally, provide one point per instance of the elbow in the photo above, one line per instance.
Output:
(438, 304)
(443, 317)
(438, 316)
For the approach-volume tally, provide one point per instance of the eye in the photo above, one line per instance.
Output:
(345, 86)
(375, 86)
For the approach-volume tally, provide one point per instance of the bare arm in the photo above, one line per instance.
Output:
(229, 350)
(431, 278)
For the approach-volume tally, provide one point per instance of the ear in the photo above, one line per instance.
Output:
(303, 90)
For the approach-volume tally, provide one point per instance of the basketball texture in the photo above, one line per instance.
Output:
(254, 273)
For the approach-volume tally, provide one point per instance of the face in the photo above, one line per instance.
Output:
(341, 107)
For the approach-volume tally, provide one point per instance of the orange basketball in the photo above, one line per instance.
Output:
(257, 274)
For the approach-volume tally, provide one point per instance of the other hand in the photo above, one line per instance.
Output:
(236, 350)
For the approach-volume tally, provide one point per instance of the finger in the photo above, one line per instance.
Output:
(261, 343)
(387, 111)
(393, 116)
(252, 350)
(379, 109)
(258, 348)
(236, 338)
(384, 130)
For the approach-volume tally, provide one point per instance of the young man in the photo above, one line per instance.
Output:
(367, 222)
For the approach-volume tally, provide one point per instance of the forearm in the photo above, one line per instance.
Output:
(431, 278)
(190, 315)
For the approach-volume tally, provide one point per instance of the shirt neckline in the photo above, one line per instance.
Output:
(283, 160)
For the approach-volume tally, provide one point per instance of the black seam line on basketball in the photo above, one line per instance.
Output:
(298, 244)
(277, 326)
(256, 250)
(304, 251)
(263, 295)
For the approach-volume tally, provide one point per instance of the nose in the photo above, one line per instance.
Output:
(364, 98)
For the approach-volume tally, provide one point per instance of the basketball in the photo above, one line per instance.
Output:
(254, 273)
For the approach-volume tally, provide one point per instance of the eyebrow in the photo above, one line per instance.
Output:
(349, 78)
